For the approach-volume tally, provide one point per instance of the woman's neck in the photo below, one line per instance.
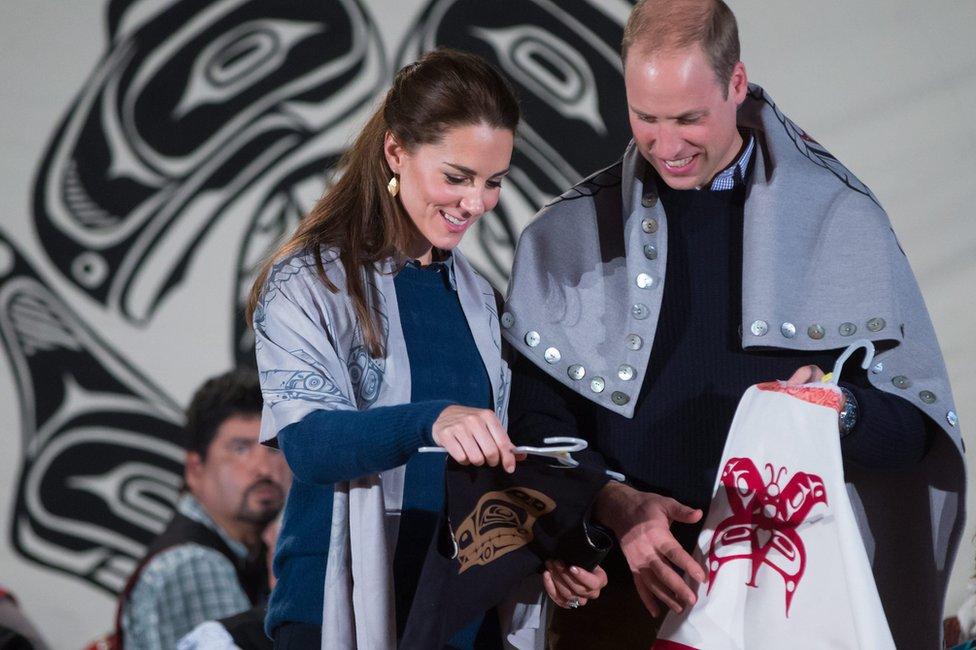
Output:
(421, 250)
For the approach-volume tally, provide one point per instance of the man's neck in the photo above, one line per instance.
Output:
(246, 533)
(736, 148)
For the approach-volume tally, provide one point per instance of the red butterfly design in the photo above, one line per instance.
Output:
(766, 516)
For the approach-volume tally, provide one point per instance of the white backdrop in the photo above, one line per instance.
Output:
(889, 86)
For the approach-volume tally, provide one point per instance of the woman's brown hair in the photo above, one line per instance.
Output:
(357, 216)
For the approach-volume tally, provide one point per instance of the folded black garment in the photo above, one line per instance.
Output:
(497, 529)
(247, 629)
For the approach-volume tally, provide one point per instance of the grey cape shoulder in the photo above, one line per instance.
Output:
(567, 210)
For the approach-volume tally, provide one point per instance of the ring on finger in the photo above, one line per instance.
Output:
(574, 603)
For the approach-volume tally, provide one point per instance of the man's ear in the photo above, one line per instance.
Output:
(739, 83)
(393, 152)
(193, 470)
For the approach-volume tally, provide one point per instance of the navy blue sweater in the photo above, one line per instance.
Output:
(698, 371)
(330, 446)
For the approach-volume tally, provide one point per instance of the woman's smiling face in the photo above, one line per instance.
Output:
(446, 186)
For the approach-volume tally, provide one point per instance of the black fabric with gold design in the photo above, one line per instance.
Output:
(497, 529)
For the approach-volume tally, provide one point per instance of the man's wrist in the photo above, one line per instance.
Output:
(847, 418)
(610, 503)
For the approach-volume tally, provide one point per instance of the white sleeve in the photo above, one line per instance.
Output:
(209, 635)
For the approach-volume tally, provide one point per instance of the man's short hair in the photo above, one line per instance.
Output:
(237, 392)
(658, 25)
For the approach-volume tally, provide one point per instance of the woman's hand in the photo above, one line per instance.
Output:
(474, 437)
(572, 587)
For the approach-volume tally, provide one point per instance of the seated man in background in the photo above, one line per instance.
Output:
(210, 562)
(244, 631)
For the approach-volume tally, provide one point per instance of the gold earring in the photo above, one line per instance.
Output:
(393, 187)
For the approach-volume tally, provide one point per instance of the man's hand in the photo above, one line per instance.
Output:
(805, 375)
(642, 523)
(810, 375)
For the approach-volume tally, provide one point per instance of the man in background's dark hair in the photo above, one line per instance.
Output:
(233, 393)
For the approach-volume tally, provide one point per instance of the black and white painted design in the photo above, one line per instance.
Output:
(211, 117)
(200, 113)
(102, 459)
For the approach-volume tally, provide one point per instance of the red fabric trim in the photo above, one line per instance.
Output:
(821, 396)
(664, 644)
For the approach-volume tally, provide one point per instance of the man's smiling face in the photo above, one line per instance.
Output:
(682, 117)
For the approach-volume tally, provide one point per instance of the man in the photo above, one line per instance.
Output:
(726, 248)
(210, 562)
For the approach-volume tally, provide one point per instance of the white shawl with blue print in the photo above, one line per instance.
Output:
(311, 355)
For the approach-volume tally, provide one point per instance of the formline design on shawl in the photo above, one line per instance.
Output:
(812, 149)
(492, 307)
(365, 371)
(282, 384)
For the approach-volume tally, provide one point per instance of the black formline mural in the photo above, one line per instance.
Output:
(200, 113)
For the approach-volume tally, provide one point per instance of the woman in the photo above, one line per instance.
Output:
(375, 337)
